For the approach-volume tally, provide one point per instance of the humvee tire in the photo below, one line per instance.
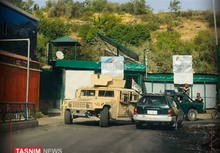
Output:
(192, 115)
(67, 117)
(104, 117)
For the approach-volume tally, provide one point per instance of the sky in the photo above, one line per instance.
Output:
(162, 5)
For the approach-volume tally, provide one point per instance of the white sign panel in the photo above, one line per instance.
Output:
(182, 69)
(136, 87)
(113, 66)
(182, 78)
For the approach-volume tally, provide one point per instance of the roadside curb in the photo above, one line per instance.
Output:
(19, 125)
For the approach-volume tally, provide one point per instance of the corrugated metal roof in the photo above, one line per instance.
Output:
(5, 53)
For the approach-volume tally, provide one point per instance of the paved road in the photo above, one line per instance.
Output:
(88, 137)
(85, 136)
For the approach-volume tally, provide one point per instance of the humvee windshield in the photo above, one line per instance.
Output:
(87, 93)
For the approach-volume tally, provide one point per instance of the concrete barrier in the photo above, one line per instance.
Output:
(19, 125)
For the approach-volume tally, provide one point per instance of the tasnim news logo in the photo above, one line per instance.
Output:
(36, 150)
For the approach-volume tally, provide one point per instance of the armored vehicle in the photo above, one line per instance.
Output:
(106, 99)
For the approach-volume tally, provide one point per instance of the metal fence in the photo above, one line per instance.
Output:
(17, 111)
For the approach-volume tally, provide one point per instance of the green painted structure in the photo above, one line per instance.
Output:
(198, 79)
(132, 70)
(60, 42)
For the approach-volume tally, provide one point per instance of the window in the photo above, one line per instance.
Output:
(172, 103)
(179, 98)
(87, 93)
(126, 98)
(133, 97)
(4, 29)
(153, 100)
(104, 93)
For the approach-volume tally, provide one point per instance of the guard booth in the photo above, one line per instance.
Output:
(205, 84)
(64, 76)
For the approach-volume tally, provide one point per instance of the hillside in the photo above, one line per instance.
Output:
(163, 34)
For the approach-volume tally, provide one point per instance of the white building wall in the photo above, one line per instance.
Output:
(74, 79)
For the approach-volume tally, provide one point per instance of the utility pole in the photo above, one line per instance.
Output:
(217, 54)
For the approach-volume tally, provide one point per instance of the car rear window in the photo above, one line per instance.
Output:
(153, 100)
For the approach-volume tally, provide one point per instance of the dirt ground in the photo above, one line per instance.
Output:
(196, 138)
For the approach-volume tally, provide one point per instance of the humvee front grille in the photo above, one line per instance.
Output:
(79, 105)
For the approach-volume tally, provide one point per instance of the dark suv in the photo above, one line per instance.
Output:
(158, 109)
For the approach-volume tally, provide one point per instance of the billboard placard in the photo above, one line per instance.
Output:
(182, 69)
(113, 66)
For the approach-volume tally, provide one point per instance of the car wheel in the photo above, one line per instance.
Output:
(215, 114)
(67, 117)
(192, 115)
(138, 126)
(104, 117)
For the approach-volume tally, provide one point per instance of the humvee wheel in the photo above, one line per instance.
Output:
(192, 115)
(104, 117)
(67, 117)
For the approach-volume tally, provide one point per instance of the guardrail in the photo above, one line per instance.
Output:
(17, 111)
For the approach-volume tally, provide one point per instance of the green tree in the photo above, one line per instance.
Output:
(18, 3)
(48, 29)
(175, 6)
(168, 40)
(160, 61)
(127, 8)
(98, 5)
(137, 7)
(106, 22)
(27, 6)
(52, 28)
(42, 48)
(204, 54)
(111, 8)
(140, 7)
(134, 35)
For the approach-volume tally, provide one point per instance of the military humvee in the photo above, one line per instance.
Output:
(107, 99)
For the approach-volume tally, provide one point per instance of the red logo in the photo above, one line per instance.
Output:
(28, 150)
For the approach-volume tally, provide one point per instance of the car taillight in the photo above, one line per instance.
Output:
(135, 110)
(170, 112)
